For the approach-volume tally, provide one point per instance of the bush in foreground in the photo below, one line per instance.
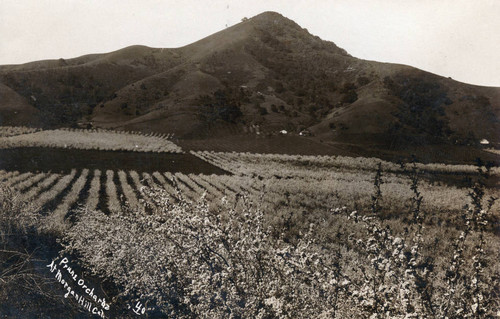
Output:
(26, 289)
(187, 261)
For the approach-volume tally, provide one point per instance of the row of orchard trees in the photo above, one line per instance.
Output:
(184, 260)
(110, 190)
(18, 130)
(330, 181)
(285, 187)
(92, 139)
(95, 130)
(251, 163)
(191, 260)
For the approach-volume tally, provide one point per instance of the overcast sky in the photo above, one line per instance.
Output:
(457, 38)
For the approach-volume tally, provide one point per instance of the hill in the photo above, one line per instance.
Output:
(16, 110)
(261, 76)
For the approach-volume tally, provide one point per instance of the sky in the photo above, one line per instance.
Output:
(452, 38)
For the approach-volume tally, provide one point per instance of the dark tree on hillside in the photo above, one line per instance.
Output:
(363, 80)
(421, 114)
(348, 86)
(223, 104)
(262, 110)
(349, 97)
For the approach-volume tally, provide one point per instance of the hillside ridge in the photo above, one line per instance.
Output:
(263, 75)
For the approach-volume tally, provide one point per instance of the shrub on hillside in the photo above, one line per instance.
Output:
(421, 111)
(349, 97)
(223, 104)
(262, 110)
(363, 80)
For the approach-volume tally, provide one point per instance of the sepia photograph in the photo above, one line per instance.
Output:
(249, 159)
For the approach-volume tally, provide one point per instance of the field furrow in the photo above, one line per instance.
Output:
(53, 192)
(8, 175)
(93, 194)
(73, 195)
(228, 184)
(17, 179)
(119, 191)
(162, 182)
(127, 190)
(212, 180)
(41, 186)
(153, 183)
(30, 182)
(195, 188)
(185, 191)
(136, 179)
(113, 204)
(212, 192)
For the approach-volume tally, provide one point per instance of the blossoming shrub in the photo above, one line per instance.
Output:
(190, 261)
(186, 259)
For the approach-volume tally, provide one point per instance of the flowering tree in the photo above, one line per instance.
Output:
(186, 260)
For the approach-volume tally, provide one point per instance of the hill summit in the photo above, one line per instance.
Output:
(261, 76)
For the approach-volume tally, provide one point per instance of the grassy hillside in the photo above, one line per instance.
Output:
(261, 76)
(15, 109)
